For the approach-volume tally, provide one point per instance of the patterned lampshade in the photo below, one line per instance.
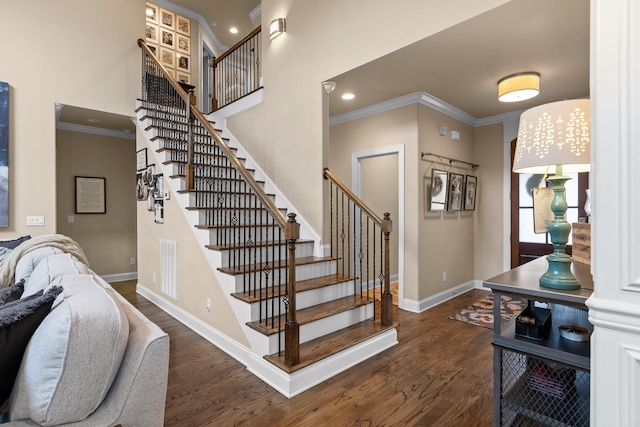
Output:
(553, 134)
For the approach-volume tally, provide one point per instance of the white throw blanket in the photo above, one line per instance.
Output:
(64, 243)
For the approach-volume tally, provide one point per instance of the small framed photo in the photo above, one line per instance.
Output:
(158, 191)
(151, 33)
(167, 57)
(167, 38)
(183, 44)
(141, 159)
(470, 187)
(167, 19)
(183, 77)
(91, 197)
(153, 48)
(454, 198)
(158, 207)
(152, 13)
(439, 187)
(141, 188)
(184, 63)
(183, 25)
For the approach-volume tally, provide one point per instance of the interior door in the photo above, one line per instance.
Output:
(525, 244)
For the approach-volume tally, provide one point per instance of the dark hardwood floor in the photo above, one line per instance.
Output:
(440, 374)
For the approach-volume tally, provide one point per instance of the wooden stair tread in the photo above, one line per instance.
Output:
(273, 265)
(328, 345)
(311, 314)
(302, 286)
(255, 245)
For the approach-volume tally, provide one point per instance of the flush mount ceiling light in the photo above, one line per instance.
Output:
(277, 27)
(519, 87)
(233, 30)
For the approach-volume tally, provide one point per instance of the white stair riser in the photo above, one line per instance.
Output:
(246, 256)
(325, 326)
(303, 299)
(279, 276)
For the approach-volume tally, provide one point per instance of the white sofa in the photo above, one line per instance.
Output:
(95, 360)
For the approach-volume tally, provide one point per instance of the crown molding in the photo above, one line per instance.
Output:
(255, 12)
(423, 98)
(95, 130)
(196, 16)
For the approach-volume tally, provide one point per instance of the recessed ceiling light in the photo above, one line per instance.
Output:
(348, 96)
(233, 30)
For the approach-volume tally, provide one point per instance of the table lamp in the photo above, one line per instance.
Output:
(556, 135)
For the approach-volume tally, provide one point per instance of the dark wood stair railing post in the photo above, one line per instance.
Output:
(214, 93)
(292, 328)
(386, 298)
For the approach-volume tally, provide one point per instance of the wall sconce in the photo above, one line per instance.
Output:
(329, 86)
(277, 27)
(519, 87)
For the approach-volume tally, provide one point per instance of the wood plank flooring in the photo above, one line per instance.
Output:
(440, 374)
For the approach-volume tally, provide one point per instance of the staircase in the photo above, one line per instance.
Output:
(306, 323)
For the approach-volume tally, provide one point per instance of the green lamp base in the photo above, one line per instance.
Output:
(559, 275)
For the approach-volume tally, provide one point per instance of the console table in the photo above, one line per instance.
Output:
(541, 382)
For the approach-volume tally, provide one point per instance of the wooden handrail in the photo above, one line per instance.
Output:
(237, 45)
(174, 82)
(356, 200)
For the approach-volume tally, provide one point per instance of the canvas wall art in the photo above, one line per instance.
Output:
(4, 154)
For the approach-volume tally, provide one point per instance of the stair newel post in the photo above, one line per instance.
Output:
(386, 298)
(190, 172)
(214, 95)
(292, 328)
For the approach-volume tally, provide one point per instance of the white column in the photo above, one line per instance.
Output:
(615, 182)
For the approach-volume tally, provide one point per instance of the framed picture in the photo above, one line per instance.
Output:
(158, 207)
(439, 179)
(167, 38)
(152, 13)
(183, 25)
(470, 186)
(141, 188)
(141, 159)
(91, 197)
(183, 44)
(167, 57)
(153, 48)
(184, 63)
(454, 196)
(158, 191)
(149, 176)
(167, 18)
(151, 33)
(183, 77)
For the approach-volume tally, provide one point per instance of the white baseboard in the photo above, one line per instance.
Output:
(120, 277)
(287, 384)
(432, 301)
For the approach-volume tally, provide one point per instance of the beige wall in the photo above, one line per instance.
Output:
(446, 238)
(488, 152)
(108, 240)
(71, 52)
(285, 134)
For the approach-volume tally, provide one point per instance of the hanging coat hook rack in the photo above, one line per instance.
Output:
(451, 160)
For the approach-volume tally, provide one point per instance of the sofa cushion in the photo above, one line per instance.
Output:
(19, 319)
(50, 268)
(12, 244)
(30, 260)
(73, 357)
(11, 293)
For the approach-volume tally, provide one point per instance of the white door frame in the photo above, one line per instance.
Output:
(398, 223)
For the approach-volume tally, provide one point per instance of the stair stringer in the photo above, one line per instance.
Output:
(253, 357)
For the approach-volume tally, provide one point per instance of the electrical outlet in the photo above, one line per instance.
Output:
(444, 276)
(154, 277)
(132, 261)
(208, 304)
(70, 219)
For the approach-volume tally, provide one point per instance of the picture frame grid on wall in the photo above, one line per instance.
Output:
(167, 57)
(167, 38)
(470, 192)
(183, 25)
(151, 33)
(167, 19)
(455, 192)
(183, 63)
(151, 13)
(183, 44)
